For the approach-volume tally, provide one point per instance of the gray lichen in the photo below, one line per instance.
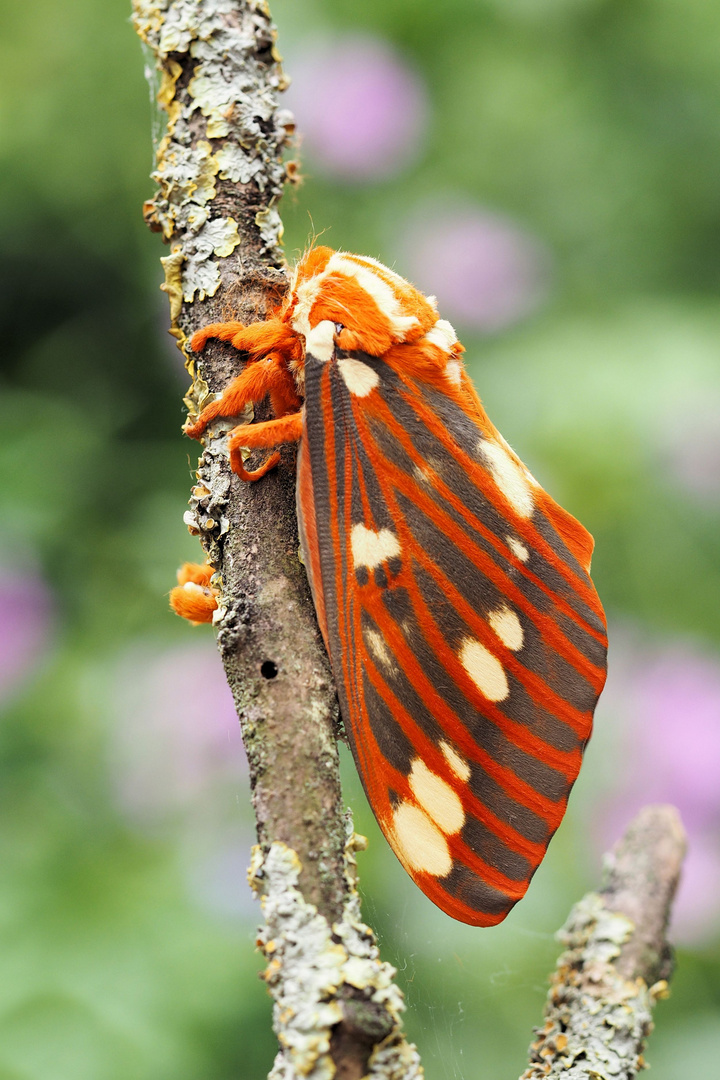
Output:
(241, 138)
(596, 1021)
(317, 972)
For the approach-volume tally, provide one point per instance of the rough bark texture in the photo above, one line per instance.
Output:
(220, 173)
(617, 959)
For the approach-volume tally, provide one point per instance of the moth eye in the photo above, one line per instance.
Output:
(339, 327)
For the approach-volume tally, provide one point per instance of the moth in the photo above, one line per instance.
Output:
(466, 638)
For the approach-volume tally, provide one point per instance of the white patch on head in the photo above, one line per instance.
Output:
(379, 290)
(484, 669)
(360, 379)
(423, 474)
(458, 765)
(509, 477)
(441, 334)
(454, 372)
(420, 844)
(507, 626)
(370, 548)
(437, 798)
(367, 260)
(518, 548)
(376, 644)
(307, 294)
(320, 341)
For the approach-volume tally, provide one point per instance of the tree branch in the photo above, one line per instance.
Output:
(220, 174)
(617, 961)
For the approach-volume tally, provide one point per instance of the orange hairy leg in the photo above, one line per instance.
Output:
(194, 597)
(219, 331)
(258, 339)
(196, 573)
(269, 433)
(272, 346)
(259, 378)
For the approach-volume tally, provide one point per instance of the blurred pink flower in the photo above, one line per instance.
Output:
(668, 704)
(361, 111)
(26, 616)
(485, 270)
(216, 874)
(677, 701)
(690, 447)
(176, 733)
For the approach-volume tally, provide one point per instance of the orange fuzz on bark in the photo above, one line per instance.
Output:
(466, 638)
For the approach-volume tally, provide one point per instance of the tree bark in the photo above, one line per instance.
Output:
(617, 961)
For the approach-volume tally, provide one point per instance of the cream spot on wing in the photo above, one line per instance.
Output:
(320, 341)
(528, 474)
(441, 334)
(437, 798)
(453, 372)
(359, 378)
(370, 548)
(509, 477)
(484, 669)
(458, 765)
(376, 644)
(420, 844)
(507, 626)
(379, 290)
(518, 548)
(423, 474)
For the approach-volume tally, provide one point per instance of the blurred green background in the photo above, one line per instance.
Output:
(550, 169)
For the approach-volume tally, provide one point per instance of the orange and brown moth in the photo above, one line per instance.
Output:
(465, 635)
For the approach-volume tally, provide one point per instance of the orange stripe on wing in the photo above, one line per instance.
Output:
(490, 569)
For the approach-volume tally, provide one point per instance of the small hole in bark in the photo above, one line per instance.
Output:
(268, 669)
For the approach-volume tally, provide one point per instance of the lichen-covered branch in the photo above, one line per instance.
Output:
(617, 960)
(220, 173)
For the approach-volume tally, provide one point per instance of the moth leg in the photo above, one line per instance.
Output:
(220, 331)
(269, 433)
(283, 394)
(197, 573)
(257, 339)
(252, 384)
(194, 598)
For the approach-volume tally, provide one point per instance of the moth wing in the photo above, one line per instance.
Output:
(465, 635)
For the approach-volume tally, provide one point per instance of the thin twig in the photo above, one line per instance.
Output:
(617, 960)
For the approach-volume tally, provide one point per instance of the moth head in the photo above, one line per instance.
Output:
(372, 306)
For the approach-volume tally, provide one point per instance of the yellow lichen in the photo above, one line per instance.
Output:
(204, 186)
(172, 265)
(168, 80)
(229, 241)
